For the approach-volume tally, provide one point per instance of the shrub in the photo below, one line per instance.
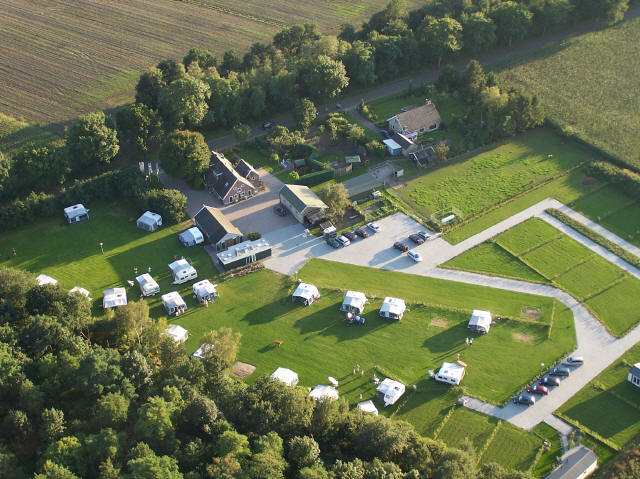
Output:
(628, 180)
(254, 236)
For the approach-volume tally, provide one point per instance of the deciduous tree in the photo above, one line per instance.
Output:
(440, 37)
(183, 103)
(92, 141)
(513, 21)
(337, 200)
(324, 78)
(479, 32)
(305, 113)
(141, 126)
(185, 154)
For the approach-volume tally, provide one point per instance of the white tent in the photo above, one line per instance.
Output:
(149, 221)
(76, 213)
(389, 391)
(204, 290)
(286, 376)
(353, 302)
(202, 350)
(43, 279)
(307, 293)
(368, 407)
(182, 271)
(450, 373)
(148, 285)
(392, 308)
(322, 391)
(173, 303)
(191, 237)
(480, 321)
(114, 297)
(82, 291)
(178, 333)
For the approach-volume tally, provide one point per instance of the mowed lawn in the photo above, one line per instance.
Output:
(513, 447)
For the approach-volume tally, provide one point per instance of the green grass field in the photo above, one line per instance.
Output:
(598, 99)
(467, 424)
(556, 257)
(427, 407)
(617, 307)
(545, 464)
(522, 240)
(587, 279)
(513, 448)
(14, 134)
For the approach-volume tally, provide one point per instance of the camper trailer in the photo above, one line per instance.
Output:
(306, 293)
(392, 308)
(182, 271)
(148, 285)
(177, 333)
(149, 221)
(191, 237)
(323, 391)
(450, 373)
(173, 303)
(480, 321)
(114, 297)
(286, 376)
(353, 302)
(76, 213)
(204, 291)
(389, 391)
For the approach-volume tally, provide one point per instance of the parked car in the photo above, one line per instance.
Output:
(363, 233)
(267, 125)
(333, 243)
(373, 227)
(385, 134)
(350, 234)
(424, 235)
(280, 210)
(338, 106)
(538, 389)
(416, 238)
(401, 246)
(560, 371)
(574, 361)
(343, 240)
(550, 381)
(524, 399)
(415, 256)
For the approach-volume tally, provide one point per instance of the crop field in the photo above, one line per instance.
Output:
(513, 447)
(62, 57)
(465, 423)
(598, 99)
(625, 223)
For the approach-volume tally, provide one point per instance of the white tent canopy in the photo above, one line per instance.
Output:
(114, 297)
(43, 279)
(450, 373)
(148, 285)
(80, 290)
(149, 221)
(178, 333)
(390, 391)
(182, 271)
(286, 376)
(191, 237)
(322, 391)
(368, 407)
(480, 321)
(308, 293)
(204, 290)
(173, 303)
(76, 213)
(353, 302)
(202, 350)
(392, 308)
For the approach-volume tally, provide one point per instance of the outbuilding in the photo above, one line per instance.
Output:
(191, 237)
(244, 253)
(480, 321)
(202, 351)
(77, 289)
(353, 302)
(634, 375)
(392, 308)
(43, 279)
(577, 463)
(182, 271)
(307, 293)
(148, 285)
(450, 373)
(304, 204)
(76, 213)
(114, 297)
(389, 391)
(218, 230)
(177, 333)
(173, 303)
(204, 291)
(322, 391)
(393, 147)
(149, 221)
(286, 376)
(368, 407)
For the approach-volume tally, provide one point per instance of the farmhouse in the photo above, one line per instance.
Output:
(303, 203)
(182, 271)
(389, 391)
(148, 285)
(114, 297)
(247, 171)
(450, 373)
(322, 391)
(307, 293)
(173, 303)
(244, 253)
(286, 376)
(576, 463)
(217, 228)
(392, 308)
(43, 279)
(177, 333)
(202, 351)
(149, 221)
(191, 237)
(226, 183)
(204, 291)
(76, 213)
(353, 302)
(634, 375)
(368, 407)
(77, 289)
(480, 321)
(416, 121)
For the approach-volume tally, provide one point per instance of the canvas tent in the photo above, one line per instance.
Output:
(353, 302)
(480, 321)
(389, 391)
(392, 308)
(76, 213)
(177, 333)
(191, 237)
(322, 391)
(114, 297)
(307, 293)
(450, 373)
(43, 279)
(148, 285)
(173, 303)
(368, 407)
(286, 376)
(202, 350)
(204, 291)
(182, 271)
(77, 289)
(149, 221)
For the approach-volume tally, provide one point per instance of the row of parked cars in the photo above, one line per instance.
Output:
(347, 237)
(418, 238)
(551, 379)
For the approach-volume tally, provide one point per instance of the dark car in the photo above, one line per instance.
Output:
(550, 381)
(338, 106)
(280, 210)
(349, 234)
(416, 238)
(401, 246)
(385, 134)
(333, 243)
(362, 233)
(524, 399)
(267, 125)
(538, 389)
(560, 371)
(424, 235)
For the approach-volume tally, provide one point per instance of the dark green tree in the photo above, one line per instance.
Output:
(550, 13)
(242, 132)
(92, 141)
(479, 32)
(183, 103)
(204, 58)
(141, 126)
(148, 88)
(51, 424)
(513, 21)
(303, 451)
(171, 71)
(359, 61)
(185, 154)
(168, 203)
(607, 11)
(305, 113)
(441, 37)
(324, 78)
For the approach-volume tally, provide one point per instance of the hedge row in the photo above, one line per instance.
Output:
(315, 178)
(589, 431)
(628, 180)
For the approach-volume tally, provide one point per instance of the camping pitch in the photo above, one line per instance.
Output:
(322, 391)
(392, 308)
(148, 285)
(389, 391)
(149, 221)
(306, 293)
(177, 333)
(173, 303)
(450, 373)
(353, 302)
(286, 376)
(480, 321)
(114, 297)
(182, 271)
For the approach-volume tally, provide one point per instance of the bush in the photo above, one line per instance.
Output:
(254, 236)
(377, 148)
(170, 204)
(628, 180)
(294, 176)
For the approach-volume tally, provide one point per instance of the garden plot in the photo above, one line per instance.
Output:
(530, 234)
(625, 223)
(428, 406)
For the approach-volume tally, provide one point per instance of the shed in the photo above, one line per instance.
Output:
(303, 203)
(204, 291)
(177, 333)
(191, 237)
(634, 375)
(77, 289)
(307, 293)
(148, 285)
(286, 376)
(368, 407)
(392, 308)
(353, 160)
(577, 463)
(202, 351)
(450, 373)
(215, 226)
(76, 213)
(43, 279)
(149, 221)
(392, 147)
(182, 271)
(114, 297)
(480, 321)
(389, 391)
(353, 302)
(173, 303)
(322, 391)
(341, 168)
